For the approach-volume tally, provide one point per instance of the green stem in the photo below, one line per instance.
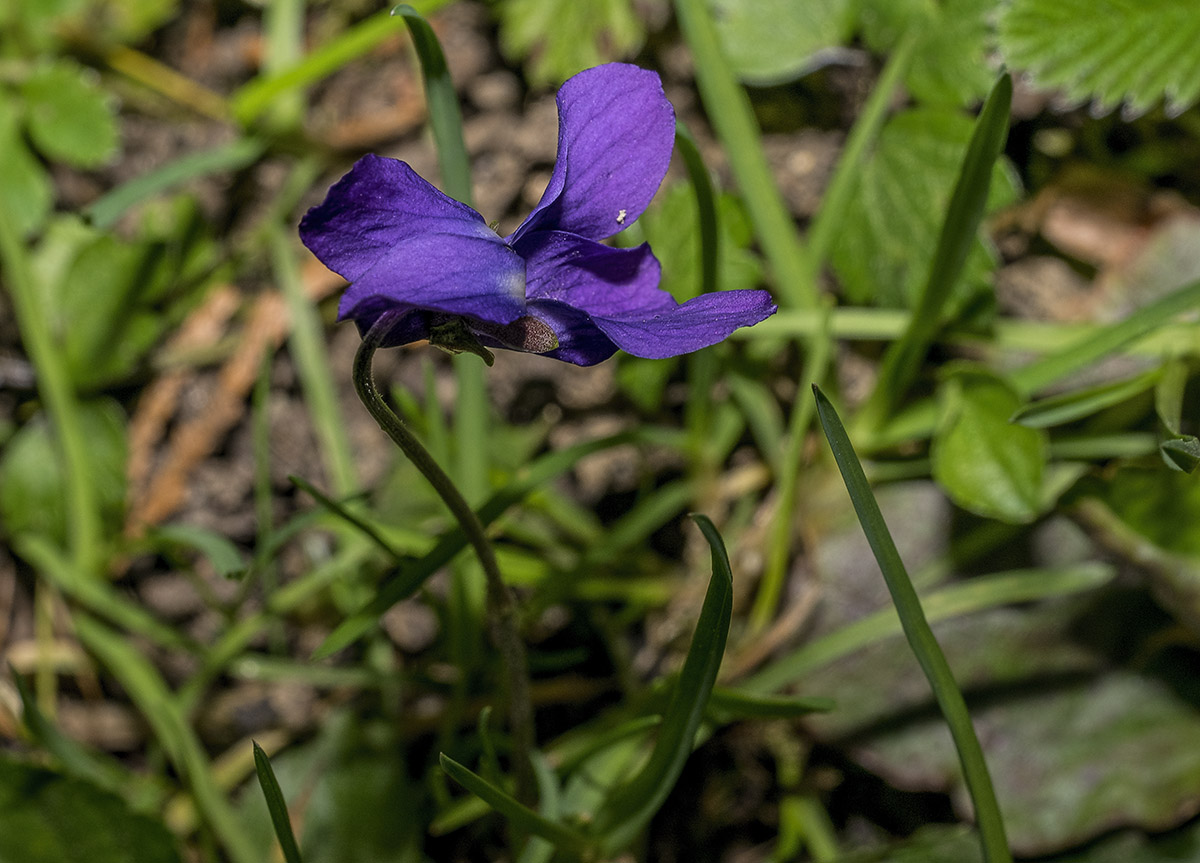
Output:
(502, 608)
(57, 392)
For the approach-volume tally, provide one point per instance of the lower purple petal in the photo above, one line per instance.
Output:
(698, 323)
(580, 341)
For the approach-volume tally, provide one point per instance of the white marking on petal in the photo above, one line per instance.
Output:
(620, 217)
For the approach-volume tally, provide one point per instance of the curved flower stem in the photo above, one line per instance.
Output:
(502, 608)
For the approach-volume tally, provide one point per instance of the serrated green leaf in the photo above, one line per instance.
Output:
(70, 118)
(773, 41)
(557, 38)
(985, 463)
(25, 190)
(1109, 52)
(48, 818)
(952, 64)
(885, 250)
(32, 496)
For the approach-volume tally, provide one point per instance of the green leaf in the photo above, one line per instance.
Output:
(224, 556)
(70, 118)
(985, 463)
(32, 484)
(884, 253)
(1109, 52)
(48, 818)
(276, 805)
(557, 38)
(774, 41)
(630, 808)
(952, 65)
(25, 190)
(1163, 506)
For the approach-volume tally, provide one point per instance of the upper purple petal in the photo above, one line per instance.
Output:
(402, 243)
(616, 131)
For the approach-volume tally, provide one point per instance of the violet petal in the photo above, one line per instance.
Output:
(616, 131)
(698, 323)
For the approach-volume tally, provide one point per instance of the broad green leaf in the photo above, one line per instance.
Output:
(1077, 743)
(953, 63)
(884, 253)
(936, 843)
(1108, 52)
(32, 496)
(557, 38)
(1161, 505)
(773, 41)
(1181, 453)
(48, 818)
(987, 464)
(628, 810)
(25, 189)
(70, 118)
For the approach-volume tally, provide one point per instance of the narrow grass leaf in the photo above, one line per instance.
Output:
(968, 597)
(920, 637)
(623, 815)
(257, 95)
(729, 705)
(224, 556)
(1106, 340)
(706, 207)
(521, 817)
(445, 117)
(959, 229)
(404, 581)
(150, 694)
(733, 119)
(342, 512)
(276, 805)
(1068, 407)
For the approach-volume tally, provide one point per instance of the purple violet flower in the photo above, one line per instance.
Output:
(550, 287)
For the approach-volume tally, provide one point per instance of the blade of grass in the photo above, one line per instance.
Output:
(276, 805)
(255, 96)
(1068, 407)
(629, 809)
(521, 817)
(837, 195)
(969, 597)
(150, 694)
(959, 230)
(709, 239)
(406, 581)
(109, 207)
(732, 116)
(920, 637)
(57, 393)
(283, 28)
(349, 517)
(445, 117)
(307, 344)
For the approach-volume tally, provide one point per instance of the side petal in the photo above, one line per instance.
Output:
(616, 293)
(698, 323)
(380, 203)
(463, 269)
(616, 131)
